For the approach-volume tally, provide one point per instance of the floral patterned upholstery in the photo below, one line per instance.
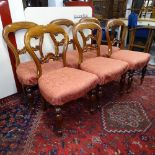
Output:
(72, 57)
(27, 71)
(105, 68)
(66, 84)
(135, 59)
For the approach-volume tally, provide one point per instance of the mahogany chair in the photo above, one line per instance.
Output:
(72, 55)
(27, 84)
(26, 71)
(141, 38)
(103, 48)
(106, 69)
(136, 60)
(65, 23)
(62, 85)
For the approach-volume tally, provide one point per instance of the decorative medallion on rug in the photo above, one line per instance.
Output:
(124, 117)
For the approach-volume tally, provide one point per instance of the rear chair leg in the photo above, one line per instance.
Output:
(93, 100)
(58, 120)
(100, 95)
(130, 79)
(122, 83)
(30, 95)
(143, 74)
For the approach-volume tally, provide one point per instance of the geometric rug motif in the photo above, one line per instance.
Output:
(124, 117)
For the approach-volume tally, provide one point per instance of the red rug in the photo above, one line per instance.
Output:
(125, 125)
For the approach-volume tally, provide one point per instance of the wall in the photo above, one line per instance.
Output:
(7, 82)
(128, 6)
(55, 3)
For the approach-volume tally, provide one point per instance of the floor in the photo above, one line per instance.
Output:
(124, 125)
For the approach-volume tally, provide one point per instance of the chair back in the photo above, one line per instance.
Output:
(13, 28)
(141, 38)
(39, 31)
(90, 19)
(66, 23)
(115, 26)
(80, 27)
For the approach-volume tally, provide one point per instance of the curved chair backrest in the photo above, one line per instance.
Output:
(13, 28)
(39, 31)
(97, 38)
(111, 26)
(90, 19)
(66, 23)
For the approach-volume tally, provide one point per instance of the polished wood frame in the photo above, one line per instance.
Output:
(98, 37)
(66, 23)
(90, 19)
(37, 32)
(113, 24)
(123, 77)
(12, 28)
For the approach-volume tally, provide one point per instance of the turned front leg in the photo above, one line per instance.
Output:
(58, 120)
(130, 79)
(122, 83)
(143, 74)
(100, 96)
(93, 100)
(30, 95)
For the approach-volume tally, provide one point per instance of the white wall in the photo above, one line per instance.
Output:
(128, 6)
(43, 15)
(7, 82)
(55, 3)
(16, 10)
(18, 15)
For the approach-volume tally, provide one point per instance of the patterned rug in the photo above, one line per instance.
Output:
(125, 125)
(124, 117)
(15, 122)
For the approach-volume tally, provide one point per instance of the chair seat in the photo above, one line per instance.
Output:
(105, 68)
(104, 50)
(72, 57)
(27, 71)
(66, 84)
(136, 60)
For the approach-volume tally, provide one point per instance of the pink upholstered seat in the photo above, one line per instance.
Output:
(27, 72)
(106, 69)
(135, 59)
(104, 50)
(66, 84)
(72, 57)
